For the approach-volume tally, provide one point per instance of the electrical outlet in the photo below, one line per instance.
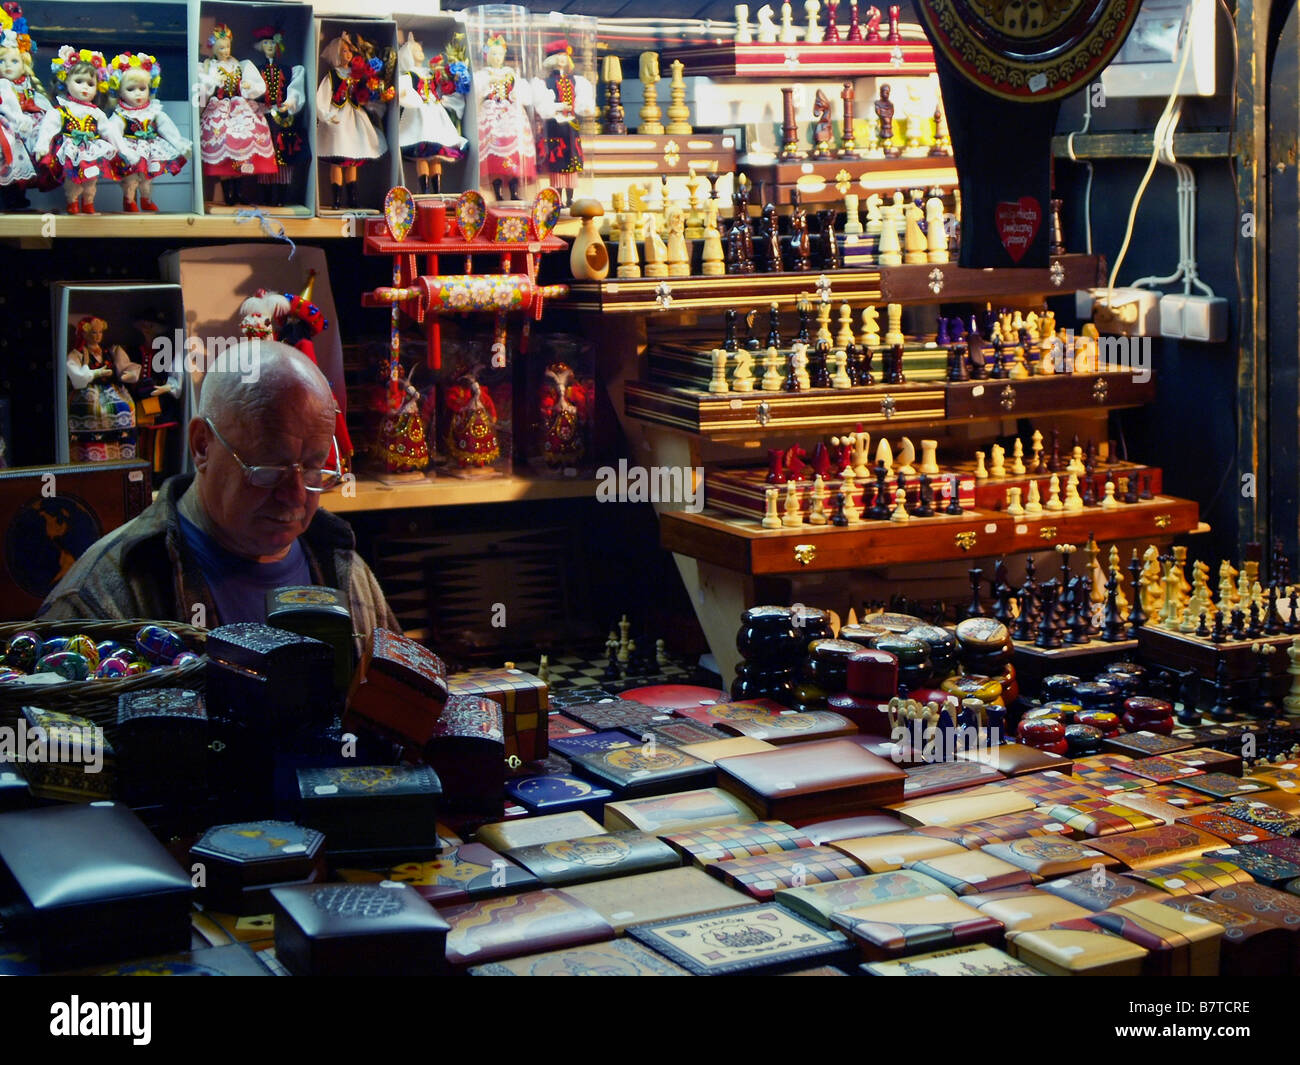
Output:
(1202, 318)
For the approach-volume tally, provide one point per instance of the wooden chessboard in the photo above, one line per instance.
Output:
(568, 671)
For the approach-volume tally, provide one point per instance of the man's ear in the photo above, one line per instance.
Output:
(201, 442)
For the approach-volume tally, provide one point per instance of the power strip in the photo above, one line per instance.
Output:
(1203, 318)
(1130, 312)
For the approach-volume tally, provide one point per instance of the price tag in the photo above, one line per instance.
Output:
(1037, 82)
(991, 528)
(294, 848)
(1054, 827)
(736, 404)
(786, 785)
(1021, 530)
(623, 915)
(1175, 883)
(326, 789)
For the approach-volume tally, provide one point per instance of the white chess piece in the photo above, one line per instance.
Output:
(852, 221)
(870, 335)
(906, 457)
(789, 35)
(894, 332)
(767, 29)
(743, 32)
(936, 234)
(1034, 504)
(742, 379)
(1073, 501)
(929, 465)
(885, 455)
(812, 9)
(719, 382)
(997, 466)
(771, 520)
(861, 447)
(793, 513)
(900, 513)
(771, 371)
(799, 363)
(841, 379)
(1108, 501)
(889, 252)
(1037, 447)
(1018, 458)
(844, 335)
(914, 240)
(1054, 495)
(817, 515)
(1014, 507)
(981, 474)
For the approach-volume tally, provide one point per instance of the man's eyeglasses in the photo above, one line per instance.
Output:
(314, 479)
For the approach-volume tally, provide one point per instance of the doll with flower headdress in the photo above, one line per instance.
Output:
(101, 414)
(286, 94)
(507, 153)
(76, 140)
(140, 119)
(431, 94)
(23, 104)
(560, 100)
(234, 138)
(350, 103)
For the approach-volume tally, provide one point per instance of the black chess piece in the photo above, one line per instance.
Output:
(867, 356)
(729, 336)
(1218, 635)
(612, 671)
(740, 222)
(1146, 487)
(1292, 625)
(1047, 637)
(1054, 456)
(1202, 630)
(1112, 623)
(805, 321)
(1224, 707)
(956, 365)
(979, 369)
(800, 246)
(828, 247)
(1001, 594)
(1089, 496)
(838, 517)
(894, 366)
(1272, 624)
(770, 240)
(819, 376)
(1262, 704)
(954, 503)
(1137, 616)
(975, 608)
(751, 341)
(1238, 627)
(1070, 613)
(925, 504)
(999, 370)
(941, 338)
(735, 251)
(1254, 630)
(1131, 488)
(1085, 583)
(791, 382)
(880, 505)
(1188, 713)
(774, 326)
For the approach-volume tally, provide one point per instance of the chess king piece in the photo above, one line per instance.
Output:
(612, 76)
(885, 113)
(679, 114)
(812, 9)
(848, 143)
(650, 112)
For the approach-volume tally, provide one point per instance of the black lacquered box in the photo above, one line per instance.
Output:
(240, 863)
(268, 679)
(162, 745)
(372, 813)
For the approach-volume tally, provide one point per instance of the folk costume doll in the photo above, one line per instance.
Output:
(506, 150)
(561, 99)
(350, 103)
(472, 439)
(234, 138)
(20, 111)
(142, 122)
(402, 446)
(565, 408)
(101, 415)
(76, 141)
(431, 93)
(286, 93)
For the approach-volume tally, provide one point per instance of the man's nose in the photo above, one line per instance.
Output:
(291, 487)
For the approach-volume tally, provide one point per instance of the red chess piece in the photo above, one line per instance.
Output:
(894, 36)
(855, 30)
(832, 30)
(873, 25)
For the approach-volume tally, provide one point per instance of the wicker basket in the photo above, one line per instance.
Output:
(97, 699)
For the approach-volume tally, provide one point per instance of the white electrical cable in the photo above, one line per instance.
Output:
(1162, 126)
(1087, 189)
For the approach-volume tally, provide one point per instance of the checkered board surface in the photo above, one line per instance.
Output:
(1194, 877)
(763, 875)
(1110, 780)
(998, 829)
(726, 842)
(564, 671)
(1176, 795)
(1162, 770)
(1100, 817)
(1043, 789)
(1223, 785)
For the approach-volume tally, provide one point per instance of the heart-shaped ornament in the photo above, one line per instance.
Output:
(1018, 224)
(399, 212)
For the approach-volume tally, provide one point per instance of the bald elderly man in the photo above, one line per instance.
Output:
(247, 522)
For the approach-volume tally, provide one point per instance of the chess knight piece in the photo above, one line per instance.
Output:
(650, 112)
(823, 136)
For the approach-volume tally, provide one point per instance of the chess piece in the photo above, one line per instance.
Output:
(1202, 630)
(823, 134)
(936, 233)
(742, 379)
(793, 515)
(817, 514)
(1224, 708)
(840, 379)
(839, 518)
(770, 240)
(624, 639)
(852, 218)
(879, 510)
(1112, 629)
(612, 76)
(793, 382)
(1130, 488)
(928, 464)
(789, 128)
(1073, 501)
(1219, 633)
(885, 455)
(1054, 494)
(889, 252)
(800, 249)
(818, 371)
(832, 30)
(661, 654)
(740, 223)
(813, 33)
(656, 251)
(1292, 613)
(844, 334)
(900, 506)
(1184, 587)
(981, 474)
(848, 144)
(851, 510)
(828, 248)
(1017, 458)
(771, 374)
(1034, 503)
(997, 467)
(915, 245)
(767, 29)
(1014, 507)
(1137, 616)
(895, 36)
(870, 336)
(974, 609)
(743, 33)
(719, 382)
(679, 257)
(925, 499)
(1089, 496)
(788, 33)
(799, 360)
(694, 212)
(894, 334)
(884, 108)
(679, 114)
(713, 262)
(954, 502)
(906, 456)
(629, 260)
(1291, 703)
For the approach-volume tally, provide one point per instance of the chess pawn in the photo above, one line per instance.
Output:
(771, 520)
(1108, 501)
(900, 506)
(869, 338)
(885, 455)
(1014, 507)
(713, 263)
(793, 514)
(997, 467)
(1075, 465)
(1034, 504)
(742, 380)
(929, 465)
(1054, 494)
(894, 334)
(771, 371)
(1073, 501)
(840, 379)
(936, 234)
(915, 244)
(981, 474)
(656, 251)
(889, 252)
(744, 35)
(812, 9)
(679, 256)
(1017, 458)
(817, 513)
(629, 260)
(719, 381)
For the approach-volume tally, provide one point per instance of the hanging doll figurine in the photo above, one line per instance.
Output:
(350, 101)
(20, 115)
(431, 93)
(76, 139)
(565, 406)
(472, 435)
(561, 100)
(286, 93)
(101, 415)
(506, 150)
(142, 122)
(402, 446)
(234, 138)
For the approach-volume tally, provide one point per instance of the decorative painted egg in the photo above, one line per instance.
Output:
(24, 650)
(85, 646)
(107, 648)
(157, 644)
(136, 666)
(66, 664)
(185, 658)
(112, 669)
(55, 644)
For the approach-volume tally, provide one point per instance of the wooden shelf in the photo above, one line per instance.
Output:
(950, 283)
(454, 491)
(826, 181)
(744, 546)
(804, 62)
